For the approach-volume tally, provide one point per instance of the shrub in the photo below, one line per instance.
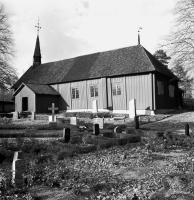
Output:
(64, 154)
(122, 141)
(87, 149)
(159, 134)
(133, 138)
(130, 131)
(109, 134)
(103, 144)
(76, 140)
(44, 159)
(110, 126)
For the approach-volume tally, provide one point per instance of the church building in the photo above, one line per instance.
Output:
(112, 78)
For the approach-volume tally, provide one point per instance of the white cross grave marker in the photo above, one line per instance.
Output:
(53, 108)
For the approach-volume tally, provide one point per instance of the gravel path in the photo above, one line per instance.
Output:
(174, 121)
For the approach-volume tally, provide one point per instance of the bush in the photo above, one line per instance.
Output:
(44, 159)
(103, 144)
(159, 134)
(133, 139)
(64, 154)
(87, 149)
(76, 140)
(131, 131)
(109, 134)
(110, 126)
(122, 141)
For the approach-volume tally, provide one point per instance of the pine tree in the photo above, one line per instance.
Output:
(185, 83)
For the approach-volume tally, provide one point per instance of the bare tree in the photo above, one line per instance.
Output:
(7, 72)
(180, 41)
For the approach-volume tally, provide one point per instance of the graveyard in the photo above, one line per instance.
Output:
(97, 156)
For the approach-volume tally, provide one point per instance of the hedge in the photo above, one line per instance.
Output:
(36, 135)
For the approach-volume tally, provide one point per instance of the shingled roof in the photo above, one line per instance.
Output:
(38, 89)
(124, 61)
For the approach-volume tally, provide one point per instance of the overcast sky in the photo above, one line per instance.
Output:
(77, 27)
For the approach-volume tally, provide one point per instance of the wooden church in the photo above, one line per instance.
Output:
(112, 78)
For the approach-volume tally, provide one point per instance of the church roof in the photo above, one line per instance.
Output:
(42, 89)
(124, 61)
(38, 89)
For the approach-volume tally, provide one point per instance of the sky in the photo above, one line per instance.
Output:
(71, 28)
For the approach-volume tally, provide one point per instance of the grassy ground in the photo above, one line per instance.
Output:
(113, 173)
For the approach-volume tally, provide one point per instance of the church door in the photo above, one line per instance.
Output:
(25, 104)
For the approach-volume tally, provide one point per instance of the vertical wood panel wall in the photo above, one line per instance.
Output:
(132, 87)
(91, 99)
(139, 88)
(109, 94)
(85, 100)
(164, 101)
(25, 92)
(119, 102)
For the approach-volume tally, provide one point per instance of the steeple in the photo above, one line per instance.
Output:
(37, 53)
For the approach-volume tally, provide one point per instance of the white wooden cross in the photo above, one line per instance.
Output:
(53, 108)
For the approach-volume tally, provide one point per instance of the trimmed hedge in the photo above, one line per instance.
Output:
(91, 115)
(35, 135)
(7, 115)
(109, 134)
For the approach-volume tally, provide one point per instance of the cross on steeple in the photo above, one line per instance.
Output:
(38, 27)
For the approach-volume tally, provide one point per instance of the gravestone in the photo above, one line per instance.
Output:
(117, 129)
(53, 123)
(33, 116)
(95, 106)
(136, 122)
(187, 129)
(66, 134)
(51, 118)
(99, 121)
(73, 120)
(18, 169)
(132, 108)
(15, 115)
(96, 129)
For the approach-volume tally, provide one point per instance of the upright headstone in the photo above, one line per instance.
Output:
(117, 129)
(73, 120)
(95, 106)
(66, 134)
(132, 108)
(33, 116)
(187, 129)
(18, 169)
(99, 121)
(136, 122)
(96, 129)
(53, 123)
(51, 119)
(15, 115)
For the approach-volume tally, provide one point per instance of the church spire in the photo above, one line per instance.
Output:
(37, 53)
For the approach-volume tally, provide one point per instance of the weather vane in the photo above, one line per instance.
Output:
(139, 28)
(38, 27)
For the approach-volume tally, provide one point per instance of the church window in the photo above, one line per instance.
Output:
(75, 93)
(171, 90)
(116, 89)
(160, 86)
(94, 91)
